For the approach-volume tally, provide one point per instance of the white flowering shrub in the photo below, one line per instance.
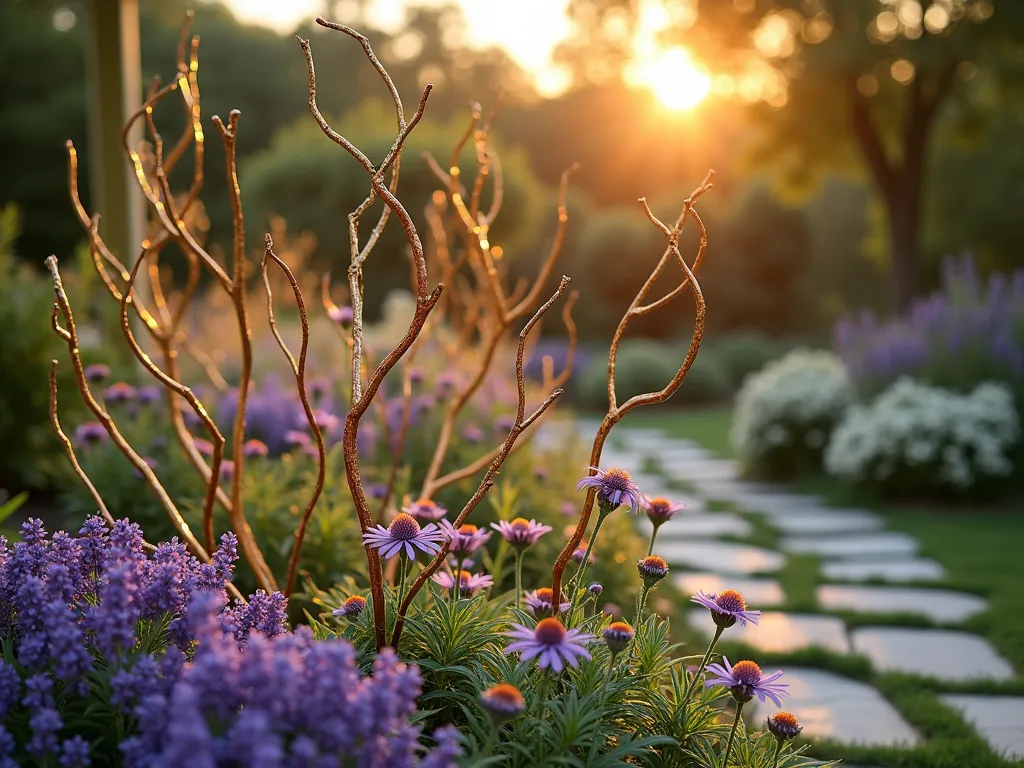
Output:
(915, 439)
(786, 412)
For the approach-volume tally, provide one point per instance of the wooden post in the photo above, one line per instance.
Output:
(115, 79)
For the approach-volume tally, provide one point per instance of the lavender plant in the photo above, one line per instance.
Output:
(565, 683)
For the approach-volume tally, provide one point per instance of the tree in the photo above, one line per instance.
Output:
(849, 82)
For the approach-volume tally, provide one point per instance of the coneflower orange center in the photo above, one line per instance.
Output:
(404, 527)
(356, 600)
(785, 718)
(747, 672)
(545, 594)
(549, 632)
(506, 693)
(520, 522)
(620, 626)
(468, 528)
(731, 600)
(619, 479)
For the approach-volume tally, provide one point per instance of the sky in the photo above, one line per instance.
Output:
(528, 29)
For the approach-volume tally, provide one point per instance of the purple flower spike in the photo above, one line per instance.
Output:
(404, 534)
(614, 487)
(745, 681)
(468, 584)
(727, 608)
(425, 510)
(550, 643)
(466, 539)
(521, 533)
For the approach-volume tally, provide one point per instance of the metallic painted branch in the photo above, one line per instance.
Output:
(615, 412)
(299, 370)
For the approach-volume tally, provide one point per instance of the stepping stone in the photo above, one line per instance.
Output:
(721, 557)
(826, 520)
(848, 711)
(778, 632)
(757, 592)
(777, 503)
(999, 719)
(939, 653)
(880, 545)
(913, 569)
(937, 604)
(698, 526)
(702, 471)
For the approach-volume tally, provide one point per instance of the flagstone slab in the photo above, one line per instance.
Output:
(778, 632)
(900, 570)
(880, 545)
(999, 719)
(833, 707)
(699, 525)
(826, 520)
(721, 557)
(758, 593)
(701, 470)
(941, 605)
(940, 653)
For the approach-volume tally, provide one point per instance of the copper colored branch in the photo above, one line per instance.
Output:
(206, 363)
(264, 576)
(616, 412)
(104, 418)
(299, 370)
(521, 423)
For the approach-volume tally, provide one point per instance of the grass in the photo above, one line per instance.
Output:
(979, 545)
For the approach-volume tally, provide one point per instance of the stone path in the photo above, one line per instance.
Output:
(852, 547)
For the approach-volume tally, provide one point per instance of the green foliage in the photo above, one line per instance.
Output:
(743, 353)
(32, 453)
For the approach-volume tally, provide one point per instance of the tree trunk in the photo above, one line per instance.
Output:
(904, 226)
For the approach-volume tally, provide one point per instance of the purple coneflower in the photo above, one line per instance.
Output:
(120, 392)
(618, 635)
(376, 490)
(404, 534)
(254, 448)
(521, 533)
(595, 588)
(148, 395)
(541, 603)
(568, 508)
(326, 420)
(90, 433)
(466, 539)
(416, 375)
(783, 726)
(342, 314)
(425, 509)
(745, 681)
(581, 552)
(446, 382)
(97, 372)
(727, 608)
(550, 643)
(472, 433)
(503, 701)
(468, 583)
(504, 423)
(351, 608)
(319, 387)
(614, 487)
(296, 438)
(205, 447)
(659, 511)
(227, 469)
(652, 569)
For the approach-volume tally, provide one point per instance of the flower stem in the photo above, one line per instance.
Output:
(640, 605)
(577, 580)
(654, 535)
(703, 665)
(403, 576)
(519, 579)
(778, 752)
(732, 734)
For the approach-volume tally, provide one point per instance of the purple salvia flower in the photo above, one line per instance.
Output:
(10, 688)
(114, 619)
(74, 753)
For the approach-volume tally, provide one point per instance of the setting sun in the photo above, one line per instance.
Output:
(674, 78)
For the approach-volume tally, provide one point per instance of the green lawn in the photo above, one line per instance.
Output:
(980, 547)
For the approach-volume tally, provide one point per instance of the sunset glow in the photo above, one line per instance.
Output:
(674, 78)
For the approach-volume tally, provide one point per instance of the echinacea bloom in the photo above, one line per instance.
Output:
(296, 438)
(550, 643)
(425, 509)
(205, 447)
(541, 604)
(255, 449)
(97, 372)
(341, 314)
(745, 681)
(148, 395)
(521, 533)
(660, 510)
(783, 726)
(652, 569)
(404, 533)
(614, 487)
(90, 433)
(568, 508)
(326, 420)
(119, 393)
(468, 583)
(227, 469)
(472, 433)
(503, 701)
(727, 608)
(618, 635)
(376, 490)
(580, 552)
(351, 608)
(466, 539)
